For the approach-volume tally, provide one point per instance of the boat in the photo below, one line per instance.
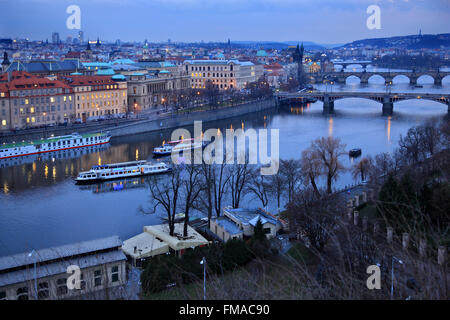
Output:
(121, 170)
(75, 140)
(354, 152)
(177, 146)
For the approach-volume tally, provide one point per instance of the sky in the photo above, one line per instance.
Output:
(320, 21)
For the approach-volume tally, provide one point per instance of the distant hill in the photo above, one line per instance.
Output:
(426, 41)
(279, 45)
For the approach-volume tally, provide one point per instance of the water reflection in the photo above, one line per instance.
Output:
(116, 185)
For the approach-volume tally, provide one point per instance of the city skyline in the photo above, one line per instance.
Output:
(202, 20)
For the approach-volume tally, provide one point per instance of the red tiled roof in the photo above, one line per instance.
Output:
(89, 80)
(22, 80)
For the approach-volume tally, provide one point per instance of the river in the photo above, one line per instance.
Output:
(40, 205)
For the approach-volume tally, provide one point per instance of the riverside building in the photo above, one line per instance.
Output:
(224, 74)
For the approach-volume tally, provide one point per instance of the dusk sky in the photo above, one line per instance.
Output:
(321, 21)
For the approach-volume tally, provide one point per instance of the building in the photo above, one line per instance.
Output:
(98, 96)
(55, 37)
(31, 101)
(156, 240)
(239, 223)
(224, 74)
(101, 262)
(45, 68)
(146, 91)
(297, 57)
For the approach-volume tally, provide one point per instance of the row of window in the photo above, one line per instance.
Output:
(43, 289)
(36, 92)
(214, 75)
(105, 95)
(211, 68)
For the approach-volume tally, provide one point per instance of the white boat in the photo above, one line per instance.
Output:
(121, 170)
(177, 146)
(52, 144)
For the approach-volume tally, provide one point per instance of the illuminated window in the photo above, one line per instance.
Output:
(52, 99)
(3, 122)
(33, 119)
(26, 101)
(32, 110)
(65, 98)
(28, 120)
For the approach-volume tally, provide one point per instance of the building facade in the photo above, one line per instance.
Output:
(98, 96)
(29, 101)
(224, 74)
(145, 92)
(44, 274)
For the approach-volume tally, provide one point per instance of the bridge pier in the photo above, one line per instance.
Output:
(388, 106)
(328, 105)
(437, 81)
(413, 80)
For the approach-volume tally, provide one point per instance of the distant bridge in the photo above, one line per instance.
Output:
(386, 99)
(362, 63)
(341, 77)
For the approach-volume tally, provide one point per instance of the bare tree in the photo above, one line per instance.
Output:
(259, 186)
(311, 168)
(239, 176)
(410, 146)
(165, 192)
(191, 187)
(362, 168)
(290, 171)
(328, 151)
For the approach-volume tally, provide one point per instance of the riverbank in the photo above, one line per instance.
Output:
(123, 127)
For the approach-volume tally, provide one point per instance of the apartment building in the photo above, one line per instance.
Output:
(44, 274)
(30, 101)
(98, 96)
(224, 74)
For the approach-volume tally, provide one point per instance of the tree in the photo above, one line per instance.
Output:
(410, 146)
(239, 176)
(290, 171)
(311, 168)
(362, 168)
(259, 186)
(191, 187)
(165, 192)
(327, 152)
(314, 218)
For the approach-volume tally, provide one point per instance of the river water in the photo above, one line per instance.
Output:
(40, 205)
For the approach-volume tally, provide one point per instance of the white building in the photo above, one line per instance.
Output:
(224, 74)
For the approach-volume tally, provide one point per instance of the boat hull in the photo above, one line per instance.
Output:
(118, 177)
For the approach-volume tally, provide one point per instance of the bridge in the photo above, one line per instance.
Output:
(386, 99)
(341, 77)
(362, 63)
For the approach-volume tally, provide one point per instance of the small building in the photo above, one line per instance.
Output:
(238, 223)
(156, 240)
(101, 263)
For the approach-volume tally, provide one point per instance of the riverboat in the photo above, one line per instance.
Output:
(75, 140)
(177, 146)
(121, 170)
(354, 152)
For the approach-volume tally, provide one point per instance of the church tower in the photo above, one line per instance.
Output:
(297, 57)
(6, 63)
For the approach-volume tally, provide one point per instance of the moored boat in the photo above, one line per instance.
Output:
(121, 170)
(177, 146)
(354, 152)
(75, 140)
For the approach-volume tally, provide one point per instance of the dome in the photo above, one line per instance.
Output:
(261, 53)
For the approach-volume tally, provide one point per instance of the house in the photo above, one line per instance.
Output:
(238, 223)
(156, 240)
(101, 263)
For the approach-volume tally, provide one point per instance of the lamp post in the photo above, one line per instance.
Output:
(203, 262)
(392, 275)
(33, 253)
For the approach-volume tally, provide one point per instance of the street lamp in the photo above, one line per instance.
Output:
(33, 253)
(392, 275)
(203, 262)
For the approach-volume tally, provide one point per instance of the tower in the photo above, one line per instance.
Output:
(297, 57)
(6, 62)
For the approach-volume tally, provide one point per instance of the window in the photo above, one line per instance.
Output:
(61, 286)
(2, 295)
(97, 278)
(267, 230)
(115, 274)
(43, 292)
(22, 293)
